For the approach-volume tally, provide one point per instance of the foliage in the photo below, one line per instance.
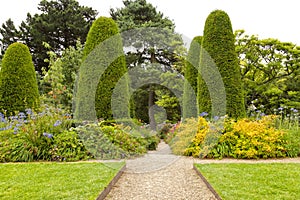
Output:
(18, 84)
(270, 71)
(59, 23)
(191, 74)
(107, 140)
(218, 42)
(251, 139)
(56, 180)
(31, 136)
(253, 181)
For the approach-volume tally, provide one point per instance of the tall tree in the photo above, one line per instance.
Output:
(60, 23)
(219, 43)
(153, 38)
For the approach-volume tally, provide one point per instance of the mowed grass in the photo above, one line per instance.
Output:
(55, 180)
(254, 181)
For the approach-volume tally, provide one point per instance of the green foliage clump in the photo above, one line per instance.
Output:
(110, 141)
(218, 42)
(18, 83)
(191, 74)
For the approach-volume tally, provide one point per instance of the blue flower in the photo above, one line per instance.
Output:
(203, 114)
(57, 123)
(28, 111)
(48, 135)
(280, 108)
(216, 118)
(22, 115)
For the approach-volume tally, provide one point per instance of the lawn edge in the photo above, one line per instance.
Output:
(207, 183)
(109, 187)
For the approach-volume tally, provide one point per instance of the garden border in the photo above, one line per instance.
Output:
(207, 183)
(109, 187)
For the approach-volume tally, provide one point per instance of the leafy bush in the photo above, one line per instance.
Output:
(110, 141)
(18, 83)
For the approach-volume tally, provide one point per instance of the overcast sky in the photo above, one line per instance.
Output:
(265, 18)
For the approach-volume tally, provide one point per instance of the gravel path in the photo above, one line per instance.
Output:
(160, 175)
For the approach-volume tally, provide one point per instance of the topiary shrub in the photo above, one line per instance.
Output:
(103, 66)
(18, 84)
(191, 78)
(218, 42)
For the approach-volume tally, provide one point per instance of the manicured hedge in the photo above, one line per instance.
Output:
(218, 42)
(191, 79)
(18, 84)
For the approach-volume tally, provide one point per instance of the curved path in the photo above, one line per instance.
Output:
(160, 175)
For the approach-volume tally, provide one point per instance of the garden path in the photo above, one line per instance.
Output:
(160, 175)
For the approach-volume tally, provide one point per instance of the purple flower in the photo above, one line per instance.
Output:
(203, 114)
(22, 115)
(57, 123)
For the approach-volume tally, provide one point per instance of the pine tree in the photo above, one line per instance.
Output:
(18, 83)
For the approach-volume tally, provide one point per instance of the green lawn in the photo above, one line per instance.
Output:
(253, 181)
(55, 180)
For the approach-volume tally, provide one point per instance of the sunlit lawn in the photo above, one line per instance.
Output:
(254, 181)
(55, 180)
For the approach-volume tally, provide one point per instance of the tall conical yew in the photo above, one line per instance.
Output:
(18, 83)
(191, 77)
(218, 42)
(102, 68)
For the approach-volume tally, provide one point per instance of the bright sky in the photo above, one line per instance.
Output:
(265, 18)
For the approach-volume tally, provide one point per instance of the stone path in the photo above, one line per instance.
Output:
(160, 175)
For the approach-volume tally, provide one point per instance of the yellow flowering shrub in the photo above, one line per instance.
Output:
(251, 139)
(184, 136)
(195, 147)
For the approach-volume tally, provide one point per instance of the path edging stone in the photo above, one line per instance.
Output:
(109, 187)
(207, 184)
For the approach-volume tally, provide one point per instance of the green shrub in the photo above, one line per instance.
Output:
(18, 83)
(218, 42)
